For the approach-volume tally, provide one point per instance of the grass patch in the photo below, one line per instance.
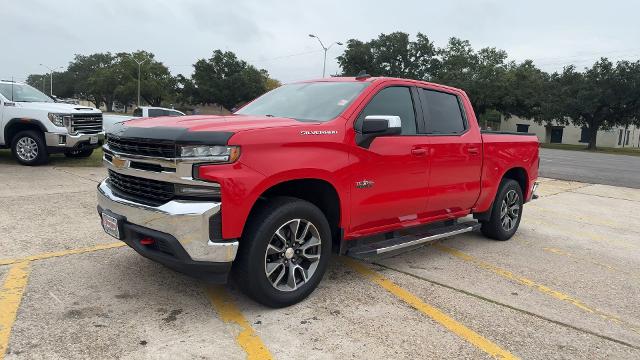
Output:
(605, 150)
(95, 160)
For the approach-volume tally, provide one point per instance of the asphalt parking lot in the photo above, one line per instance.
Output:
(566, 286)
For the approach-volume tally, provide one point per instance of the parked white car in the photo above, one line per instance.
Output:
(143, 111)
(33, 125)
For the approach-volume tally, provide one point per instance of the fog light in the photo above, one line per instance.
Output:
(62, 139)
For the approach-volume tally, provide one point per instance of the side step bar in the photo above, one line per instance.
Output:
(377, 248)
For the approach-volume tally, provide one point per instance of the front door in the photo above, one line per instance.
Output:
(389, 177)
(455, 152)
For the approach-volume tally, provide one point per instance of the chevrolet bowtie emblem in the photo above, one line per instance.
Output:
(118, 162)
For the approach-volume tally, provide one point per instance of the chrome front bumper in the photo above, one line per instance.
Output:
(187, 221)
(70, 141)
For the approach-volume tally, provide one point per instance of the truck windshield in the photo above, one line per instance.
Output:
(315, 101)
(22, 93)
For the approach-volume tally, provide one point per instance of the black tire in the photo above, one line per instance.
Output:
(79, 153)
(249, 268)
(35, 142)
(495, 228)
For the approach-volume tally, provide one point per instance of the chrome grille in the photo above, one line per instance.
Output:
(141, 147)
(86, 123)
(148, 191)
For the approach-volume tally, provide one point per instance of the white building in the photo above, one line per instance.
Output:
(617, 137)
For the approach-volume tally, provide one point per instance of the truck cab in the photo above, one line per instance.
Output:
(33, 125)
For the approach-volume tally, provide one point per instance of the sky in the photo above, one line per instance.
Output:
(273, 35)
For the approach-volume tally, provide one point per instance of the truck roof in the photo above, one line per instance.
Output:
(372, 79)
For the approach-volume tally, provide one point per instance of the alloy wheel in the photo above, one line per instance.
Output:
(292, 255)
(27, 149)
(510, 210)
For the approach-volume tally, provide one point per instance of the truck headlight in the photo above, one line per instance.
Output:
(59, 119)
(211, 153)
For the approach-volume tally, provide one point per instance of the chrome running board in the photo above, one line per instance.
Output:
(402, 242)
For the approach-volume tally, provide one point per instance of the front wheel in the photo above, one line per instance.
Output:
(284, 253)
(29, 148)
(506, 212)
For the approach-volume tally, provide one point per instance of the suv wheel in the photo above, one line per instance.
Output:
(29, 148)
(506, 212)
(79, 153)
(284, 253)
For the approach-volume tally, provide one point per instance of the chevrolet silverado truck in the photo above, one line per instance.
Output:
(33, 125)
(360, 166)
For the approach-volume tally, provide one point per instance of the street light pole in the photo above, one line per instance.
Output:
(139, 65)
(325, 48)
(51, 82)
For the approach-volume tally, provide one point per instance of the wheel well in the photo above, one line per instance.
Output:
(520, 175)
(318, 192)
(14, 126)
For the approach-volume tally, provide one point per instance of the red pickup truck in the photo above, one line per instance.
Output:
(359, 166)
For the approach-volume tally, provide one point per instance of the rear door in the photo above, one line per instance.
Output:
(455, 152)
(389, 177)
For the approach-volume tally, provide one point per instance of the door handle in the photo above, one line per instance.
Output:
(473, 150)
(418, 152)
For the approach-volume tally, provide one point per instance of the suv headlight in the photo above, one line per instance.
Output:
(211, 153)
(59, 119)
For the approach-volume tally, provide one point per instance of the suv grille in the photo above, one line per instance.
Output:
(141, 147)
(86, 123)
(148, 191)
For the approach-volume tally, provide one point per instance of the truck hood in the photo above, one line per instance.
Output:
(226, 123)
(56, 107)
(198, 129)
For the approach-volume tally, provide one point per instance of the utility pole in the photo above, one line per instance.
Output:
(325, 48)
(139, 65)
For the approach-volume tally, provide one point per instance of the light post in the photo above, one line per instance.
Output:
(325, 48)
(139, 64)
(51, 82)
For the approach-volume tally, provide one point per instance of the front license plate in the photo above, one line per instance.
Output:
(110, 225)
(93, 140)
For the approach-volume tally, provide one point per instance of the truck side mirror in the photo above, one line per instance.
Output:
(377, 125)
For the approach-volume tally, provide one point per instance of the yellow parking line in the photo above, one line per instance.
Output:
(10, 298)
(61, 253)
(443, 319)
(532, 284)
(229, 313)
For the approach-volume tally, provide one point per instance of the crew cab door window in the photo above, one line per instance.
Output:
(137, 112)
(443, 113)
(395, 100)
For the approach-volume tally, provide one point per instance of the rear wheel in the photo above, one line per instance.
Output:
(284, 253)
(79, 153)
(29, 148)
(506, 212)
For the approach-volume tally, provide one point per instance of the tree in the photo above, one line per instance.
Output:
(93, 78)
(228, 81)
(601, 97)
(156, 82)
(390, 55)
(492, 83)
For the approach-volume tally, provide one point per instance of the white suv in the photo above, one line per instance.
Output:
(34, 126)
